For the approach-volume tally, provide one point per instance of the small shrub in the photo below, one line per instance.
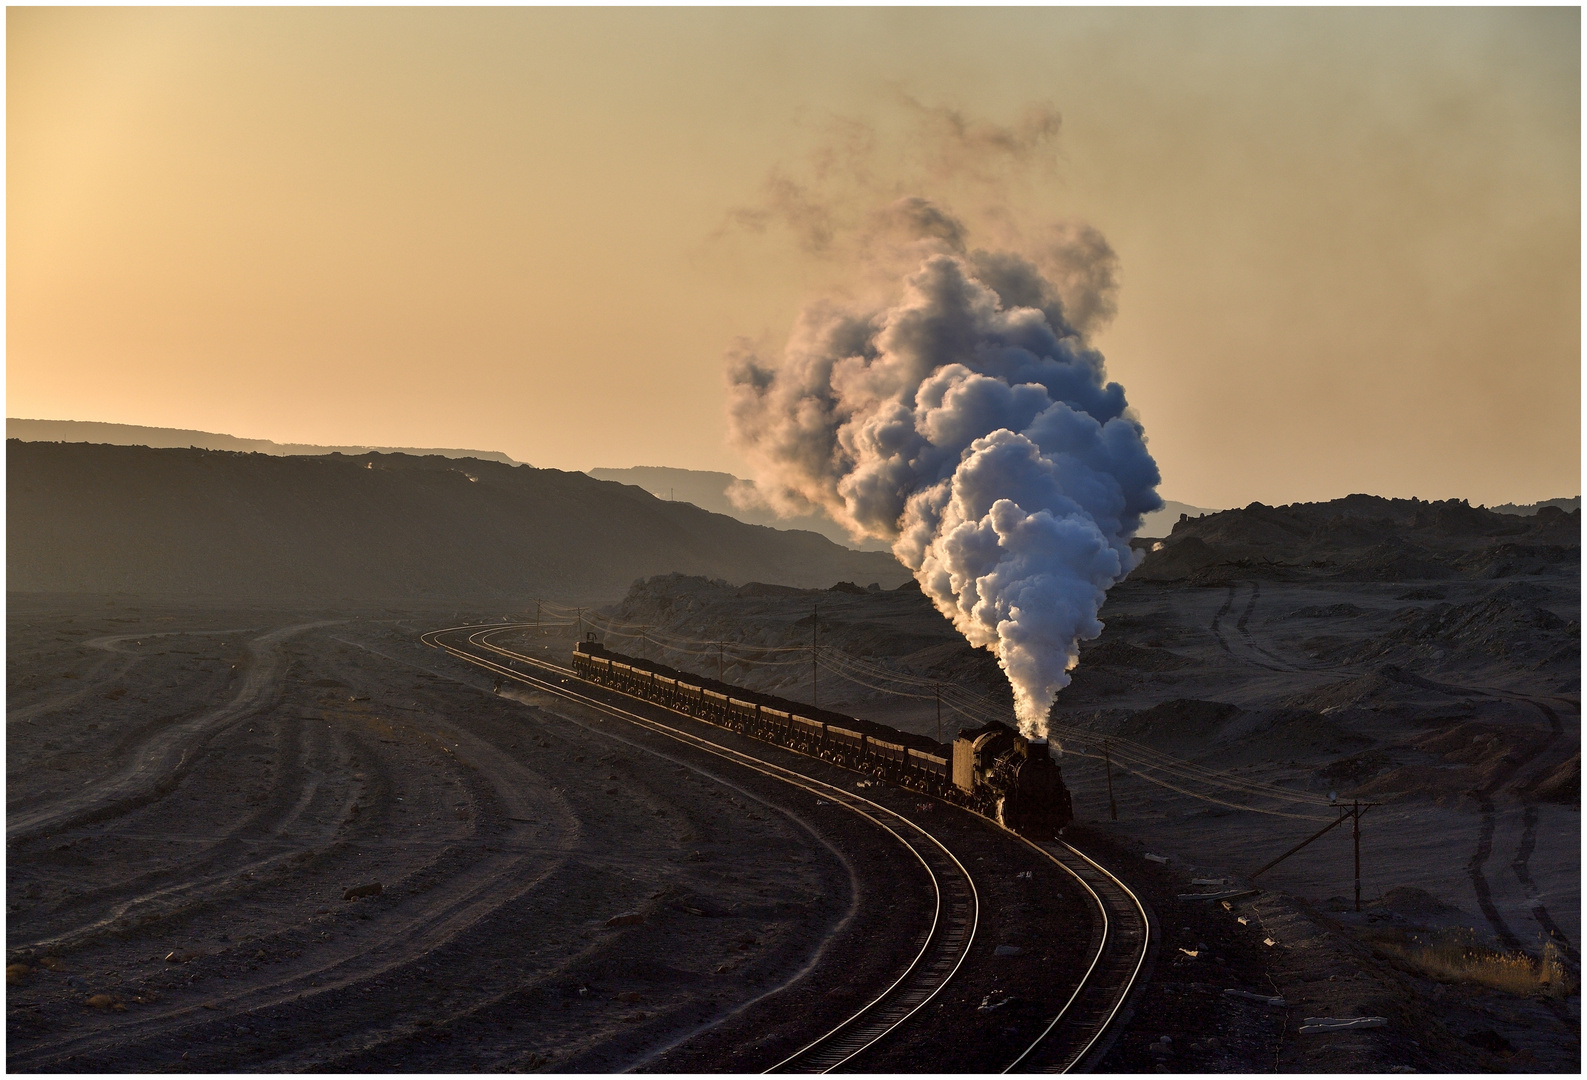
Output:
(1454, 956)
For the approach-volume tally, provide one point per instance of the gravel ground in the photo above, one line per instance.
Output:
(193, 791)
(197, 921)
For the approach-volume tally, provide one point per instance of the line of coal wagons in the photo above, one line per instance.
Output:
(992, 769)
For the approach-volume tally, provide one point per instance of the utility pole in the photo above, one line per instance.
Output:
(720, 647)
(537, 619)
(938, 691)
(1355, 812)
(814, 615)
(1352, 814)
(1107, 763)
(581, 624)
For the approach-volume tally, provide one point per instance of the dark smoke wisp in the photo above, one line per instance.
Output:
(965, 419)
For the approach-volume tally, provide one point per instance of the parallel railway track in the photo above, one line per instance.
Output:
(1070, 1042)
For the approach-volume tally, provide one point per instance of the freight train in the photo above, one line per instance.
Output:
(992, 769)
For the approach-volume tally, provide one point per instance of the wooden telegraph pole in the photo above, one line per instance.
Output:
(537, 619)
(1107, 763)
(1355, 812)
(1351, 814)
(815, 613)
(938, 691)
(721, 646)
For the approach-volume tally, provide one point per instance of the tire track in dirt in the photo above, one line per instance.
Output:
(1475, 867)
(325, 988)
(375, 1054)
(1479, 880)
(1521, 867)
(1250, 606)
(98, 677)
(408, 1048)
(149, 889)
(191, 884)
(1523, 874)
(1255, 646)
(1257, 654)
(1228, 604)
(466, 894)
(160, 763)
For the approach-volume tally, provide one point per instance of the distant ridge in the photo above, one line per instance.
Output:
(181, 522)
(92, 431)
(1570, 505)
(708, 491)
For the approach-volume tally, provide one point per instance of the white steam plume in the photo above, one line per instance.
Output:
(967, 420)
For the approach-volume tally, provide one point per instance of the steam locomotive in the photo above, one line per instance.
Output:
(992, 770)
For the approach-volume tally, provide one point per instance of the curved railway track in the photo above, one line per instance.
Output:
(1072, 1041)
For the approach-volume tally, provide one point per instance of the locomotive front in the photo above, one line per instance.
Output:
(1012, 779)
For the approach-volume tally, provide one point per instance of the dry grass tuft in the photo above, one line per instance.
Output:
(1454, 956)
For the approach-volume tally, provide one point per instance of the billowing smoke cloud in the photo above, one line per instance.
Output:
(966, 419)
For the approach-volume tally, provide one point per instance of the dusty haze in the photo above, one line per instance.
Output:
(1347, 241)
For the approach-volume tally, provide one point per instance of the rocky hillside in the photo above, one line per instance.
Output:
(375, 527)
(1365, 538)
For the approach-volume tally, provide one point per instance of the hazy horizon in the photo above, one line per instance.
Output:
(1347, 242)
(1172, 507)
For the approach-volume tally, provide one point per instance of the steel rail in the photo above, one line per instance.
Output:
(919, 983)
(947, 942)
(1110, 978)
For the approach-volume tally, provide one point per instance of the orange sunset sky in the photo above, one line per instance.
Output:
(1348, 241)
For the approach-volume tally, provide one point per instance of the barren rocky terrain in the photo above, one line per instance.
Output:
(203, 797)
(261, 839)
(1423, 658)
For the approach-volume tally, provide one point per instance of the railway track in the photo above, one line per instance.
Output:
(1076, 1038)
(1072, 1041)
